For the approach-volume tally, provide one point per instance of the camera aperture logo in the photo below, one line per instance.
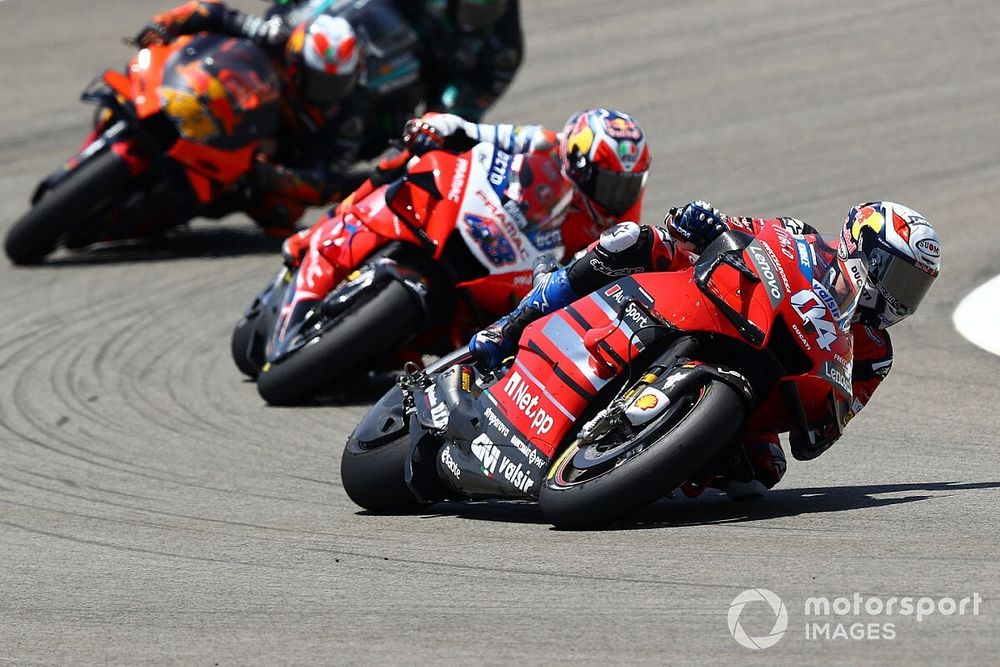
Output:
(757, 595)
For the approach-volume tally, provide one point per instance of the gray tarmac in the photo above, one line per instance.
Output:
(153, 510)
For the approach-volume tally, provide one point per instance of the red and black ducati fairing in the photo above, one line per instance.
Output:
(187, 119)
(752, 312)
(447, 231)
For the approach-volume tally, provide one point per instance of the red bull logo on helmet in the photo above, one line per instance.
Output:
(621, 128)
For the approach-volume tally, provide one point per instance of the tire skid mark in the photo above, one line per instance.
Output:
(167, 479)
(110, 339)
(524, 572)
(289, 538)
(149, 552)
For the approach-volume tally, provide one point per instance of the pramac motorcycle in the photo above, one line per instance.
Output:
(413, 266)
(172, 133)
(628, 393)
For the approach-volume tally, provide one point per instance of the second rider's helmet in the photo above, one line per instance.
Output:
(604, 153)
(903, 254)
(323, 59)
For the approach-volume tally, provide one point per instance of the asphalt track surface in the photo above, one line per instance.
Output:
(152, 509)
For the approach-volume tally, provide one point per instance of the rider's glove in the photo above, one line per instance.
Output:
(433, 130)
(294, 248)
(696, 225)
(270, 34)
(419, 136)
(153, 33)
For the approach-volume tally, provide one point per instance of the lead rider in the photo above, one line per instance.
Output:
(900, 248)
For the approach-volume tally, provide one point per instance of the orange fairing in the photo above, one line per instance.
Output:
(118, 82)
(213, 164)
(146, 73)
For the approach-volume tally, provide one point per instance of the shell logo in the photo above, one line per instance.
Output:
(647, 402)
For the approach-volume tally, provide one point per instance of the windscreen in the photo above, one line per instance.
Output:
(838, 280)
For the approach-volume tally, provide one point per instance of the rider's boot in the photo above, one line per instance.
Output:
(762, 468)
(496, 342)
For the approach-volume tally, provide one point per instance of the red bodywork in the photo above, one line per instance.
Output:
(423, 211)
(565, 358)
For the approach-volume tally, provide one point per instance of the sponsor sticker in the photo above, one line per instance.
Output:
(649, 404)
(458, 180)
(527, 402)
(487, 453)
(499, 173)
(767, 272)
(449, 462)
(805, 259)
(490, 239)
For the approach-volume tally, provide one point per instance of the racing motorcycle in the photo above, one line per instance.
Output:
(642, 387)
(414, 266)
(174, 132)
(177, 134)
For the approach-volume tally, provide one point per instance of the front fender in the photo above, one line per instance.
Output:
(676, 381)
(374, 274)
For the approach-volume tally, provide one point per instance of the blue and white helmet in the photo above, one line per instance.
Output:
(903, 254)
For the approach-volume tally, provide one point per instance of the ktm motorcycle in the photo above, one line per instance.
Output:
(173, 133)
(623, 396)
(414, 266)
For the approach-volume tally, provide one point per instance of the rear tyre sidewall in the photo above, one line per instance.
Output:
(374, 478)
(373, 471)
(239, 345)
(683, 451)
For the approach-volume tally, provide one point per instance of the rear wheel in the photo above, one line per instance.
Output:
(240, 346)
(362, 337)
(373, 465)
(93, 186)
(601, 482)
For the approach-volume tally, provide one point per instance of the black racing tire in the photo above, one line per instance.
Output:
(93, 185)
(239, 345)
(685, 448)
(373, 465)
(368, 332)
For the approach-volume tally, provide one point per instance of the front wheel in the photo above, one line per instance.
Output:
(366, 334)
(604, 481)
(93, 186)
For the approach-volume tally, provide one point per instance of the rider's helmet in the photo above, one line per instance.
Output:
(604, 153)
(902, 253)
(476, 15)
(323, 59)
